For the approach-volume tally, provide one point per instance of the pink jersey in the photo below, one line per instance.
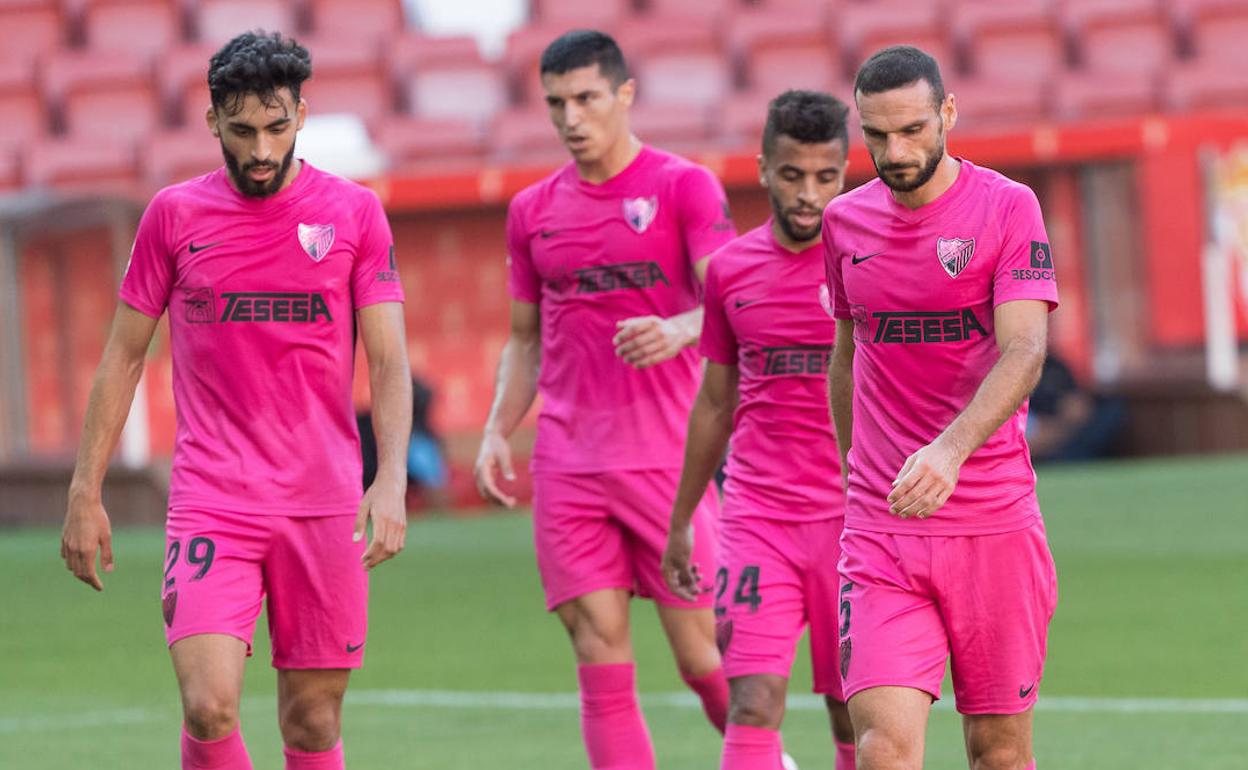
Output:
(767, 314)
(262, 294)
(921, 286)
(592, 255)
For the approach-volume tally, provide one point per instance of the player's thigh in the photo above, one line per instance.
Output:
(579, 548)
(891, 630)
(209, 669)
(997, 595)
(822, 587)
(598, 625)
(641, 504)
(759, 595)
(998, 741)
(309, 706)
(213, 579)
(318, 593)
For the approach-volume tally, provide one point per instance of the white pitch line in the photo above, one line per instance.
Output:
(565, 701)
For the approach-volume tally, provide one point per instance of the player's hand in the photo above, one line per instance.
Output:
(384, 504)
(493, 457)
(648, 340)
(86, 532)
(682, 577)
(925, 482)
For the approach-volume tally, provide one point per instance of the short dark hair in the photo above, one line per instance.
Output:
(897, 67)
(808, 116)
(584, 48)
(257, 63)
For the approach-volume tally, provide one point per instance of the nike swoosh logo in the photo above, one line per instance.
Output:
(1024, 693)
(856, 259)
(193, 248)
(743, 302)
(549, 234)
(353, 647)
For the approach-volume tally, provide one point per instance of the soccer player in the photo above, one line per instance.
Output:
(767, 338)
(942, 280)
(606, 257)
(268, 269)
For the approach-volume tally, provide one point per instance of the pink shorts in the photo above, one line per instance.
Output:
(908, 602)
(608, 530)
(219, 567)
(777, 577)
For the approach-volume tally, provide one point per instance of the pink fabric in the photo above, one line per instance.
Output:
(591, 256)
(921, 286)
(844, 756)
(262, 324)
(1032, 766)
(767, 313)
(779, 577)
(314, 760)
(222, 566)
(712, 688)
(615, 732)
(912, 601)
(608, 530)
(751, 748)
(228, 753)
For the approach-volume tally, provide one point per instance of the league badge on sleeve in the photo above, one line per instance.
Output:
(316, 240)
(954, 254)
(640, 212)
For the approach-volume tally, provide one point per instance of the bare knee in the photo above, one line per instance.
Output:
(880, 749)
(311, 722)
(999, 742)
(1001, 758)
(757, 701)
(838, 714)
(599, 633)
(209, 715)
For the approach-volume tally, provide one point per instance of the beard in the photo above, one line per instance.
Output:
(251, 188)
(925, 173)
(778, 213)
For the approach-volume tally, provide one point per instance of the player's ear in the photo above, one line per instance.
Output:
(301, 113)
(626, 92)
(210, 117)
(949, 112)
(762, 170)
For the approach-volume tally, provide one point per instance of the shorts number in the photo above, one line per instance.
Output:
(200, 552)
(845, 608)
(747, 588)
(721, 585)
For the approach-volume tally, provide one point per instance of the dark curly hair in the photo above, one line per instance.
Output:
(808, 116)
(257, 63)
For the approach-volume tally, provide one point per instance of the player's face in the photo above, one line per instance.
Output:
(258, 141)
(590, 115)
(801, 179)
(905, 133)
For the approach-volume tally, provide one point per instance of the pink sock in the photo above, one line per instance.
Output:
(750, 748)
(712, 688)
(314, 760)
(615, 733)
(844, 756)
(226, 753)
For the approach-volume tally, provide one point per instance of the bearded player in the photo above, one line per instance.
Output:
(767, 337)
(606, 258)
(268, 269)
(942, 281)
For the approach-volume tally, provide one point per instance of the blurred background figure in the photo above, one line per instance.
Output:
(1069, 422)
(427, 474)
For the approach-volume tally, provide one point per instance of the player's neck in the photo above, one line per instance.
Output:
(946, 174)
(613, 161)
(782, 238)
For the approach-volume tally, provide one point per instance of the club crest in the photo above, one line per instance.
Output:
(169, 606)
(316, 240)
(640, 212)
(954, 254)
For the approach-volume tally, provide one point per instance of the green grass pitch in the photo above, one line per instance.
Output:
(1148, 664)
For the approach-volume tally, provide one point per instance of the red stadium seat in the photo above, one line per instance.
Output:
(986, 104)
(1121, 36)
(781, 50)
(20, 103)
(10, 168)
(80, 163)
(347, 77)
(217, 21)
(683, 130)
(1218, 29)
(30, 27)
(410, 143)
(1089, 95)
(677, 62)
(136, 26)
(1206, 85)
(468, 91)
(865, 28)
(1015, 41)
(169, 157)
(523, 56)
(357, 21)
(599, 14)
(526, 137)
(741, 118)
(691, 9)
(110, 94)
(410, 51)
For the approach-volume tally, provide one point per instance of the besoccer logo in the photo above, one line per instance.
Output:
(1041, 265)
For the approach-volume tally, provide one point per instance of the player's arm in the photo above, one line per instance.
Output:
(710, 427)
(390, 383)
(841, 391)
(929, 475)
(87, 529)
(515, 389)
(648, 340)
